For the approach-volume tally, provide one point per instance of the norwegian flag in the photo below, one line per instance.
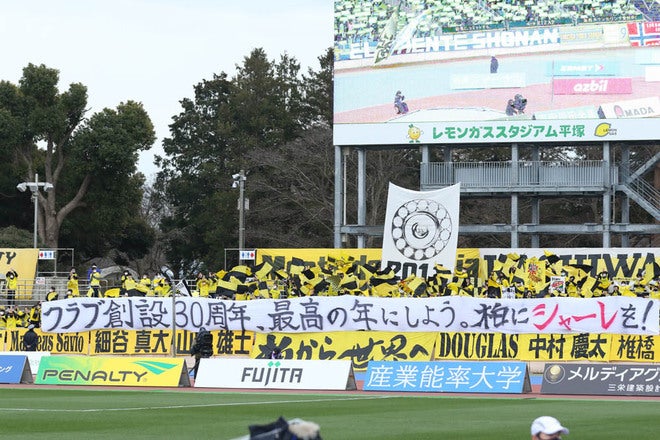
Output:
(644, 34)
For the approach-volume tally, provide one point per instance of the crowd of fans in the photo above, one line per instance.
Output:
(364, 20)
(354, 278)
(20, 317)
(508, 279)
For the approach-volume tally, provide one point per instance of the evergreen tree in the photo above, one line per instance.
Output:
(90, 162)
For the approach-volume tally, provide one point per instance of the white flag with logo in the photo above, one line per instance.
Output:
(421, 230)
(182, 288)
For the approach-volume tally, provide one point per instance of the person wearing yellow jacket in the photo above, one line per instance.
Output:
(213, 284)
(494, 285)
(203, 285)
(572, 287)
(72, 283)
(34, 316)
(144, 286)
(10, 318)
(130, 286)
(52, 294)
(603, 283)
(12, 285)
(95, 282)
(162, 288)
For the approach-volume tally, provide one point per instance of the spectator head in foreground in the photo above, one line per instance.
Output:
(547, 428)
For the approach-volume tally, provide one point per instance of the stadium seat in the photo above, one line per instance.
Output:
(366, 19)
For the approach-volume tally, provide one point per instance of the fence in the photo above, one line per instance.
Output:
(31, 291)
(507, 175)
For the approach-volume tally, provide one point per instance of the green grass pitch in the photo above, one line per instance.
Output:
(76, 413)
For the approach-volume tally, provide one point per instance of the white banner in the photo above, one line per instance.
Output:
(284, 374)
(421, 228)
(618, 314)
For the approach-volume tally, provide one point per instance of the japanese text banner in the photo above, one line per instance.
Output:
(622, 315)
(359, 347)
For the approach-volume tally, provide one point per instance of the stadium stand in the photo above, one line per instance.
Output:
(650, 9)
(364, 20)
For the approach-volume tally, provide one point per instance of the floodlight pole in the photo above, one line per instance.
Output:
(239, 181)
(34, 188)
(35, 198)
(241, 214)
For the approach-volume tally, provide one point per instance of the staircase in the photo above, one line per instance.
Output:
(635, 187)
(649, 8)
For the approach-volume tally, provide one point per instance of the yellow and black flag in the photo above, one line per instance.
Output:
(262, 271)
(414, 286)
(240, 272)
(226, 287)
(348, 283)
(296, 266)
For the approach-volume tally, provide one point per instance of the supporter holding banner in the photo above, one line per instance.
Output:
(282, 258)
(530, 264)
(24, 262)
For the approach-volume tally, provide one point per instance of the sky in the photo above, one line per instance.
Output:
(155, 51)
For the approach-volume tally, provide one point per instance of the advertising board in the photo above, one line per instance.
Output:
(461, 63)
(448, 377)
(116, 371)
(14, 369)
(275, 374)
(601, 379)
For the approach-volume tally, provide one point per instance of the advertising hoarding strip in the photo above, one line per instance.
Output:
(601, 379)
(448, 376)
(248, 373)
(15, 369)
(116, 371)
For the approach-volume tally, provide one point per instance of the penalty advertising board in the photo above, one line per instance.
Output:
(116, 371)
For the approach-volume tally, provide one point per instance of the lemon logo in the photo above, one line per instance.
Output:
(414, 133)
(603, 129)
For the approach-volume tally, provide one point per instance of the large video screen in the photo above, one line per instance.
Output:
(471, 71)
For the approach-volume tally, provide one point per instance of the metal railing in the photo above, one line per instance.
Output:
(636, 187)
(31, 291)
(506, 176)
(646, 191)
